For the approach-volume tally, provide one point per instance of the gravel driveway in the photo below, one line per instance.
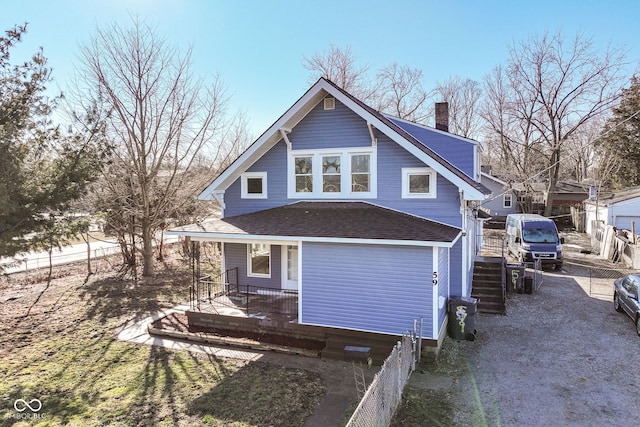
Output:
(562, 356)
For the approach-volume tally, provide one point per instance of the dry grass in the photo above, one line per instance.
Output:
(58, 345)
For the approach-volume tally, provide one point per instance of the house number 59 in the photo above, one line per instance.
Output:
(434, 280)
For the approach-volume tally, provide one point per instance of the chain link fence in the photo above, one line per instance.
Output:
(600, 278)
(76, 253)
(383, 396)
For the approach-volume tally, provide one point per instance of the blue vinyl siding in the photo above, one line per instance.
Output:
(455, 277)
(495, 203)
(459, 152)
(443, 283)
(391, 159)
(274, 162)
(341, 128)
(235, 255)
(338, 128)
(366, 287)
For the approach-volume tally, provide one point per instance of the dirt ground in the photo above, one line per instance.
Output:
(560, 356)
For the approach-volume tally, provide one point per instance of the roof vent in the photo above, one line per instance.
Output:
(329, 103)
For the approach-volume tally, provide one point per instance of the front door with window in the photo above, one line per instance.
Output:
(290, 267)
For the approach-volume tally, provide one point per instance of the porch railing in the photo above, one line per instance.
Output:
(206, 288)
(256, 300)
(225, 291)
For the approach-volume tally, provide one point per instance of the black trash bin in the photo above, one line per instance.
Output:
(528, 284)
(462, 318)
(514, 279)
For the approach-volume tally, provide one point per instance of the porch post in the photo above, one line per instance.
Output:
(195, 275)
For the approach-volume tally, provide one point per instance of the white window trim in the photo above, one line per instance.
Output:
(345, 173)
(506, 196)
(406, 172)
(249, 266)
(244, 193)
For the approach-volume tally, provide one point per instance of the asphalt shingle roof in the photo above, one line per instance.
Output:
(343, 220)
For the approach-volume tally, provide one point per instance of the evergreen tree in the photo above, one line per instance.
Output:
(621, 137)
(43, 170)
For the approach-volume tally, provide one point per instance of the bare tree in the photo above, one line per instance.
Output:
(340, 66)
(162, 121)
(509, 128)
(395, 89)
(401, 93)
(463, 97)
(581, 158)
(554, 88)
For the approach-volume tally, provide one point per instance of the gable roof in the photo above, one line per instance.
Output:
(607, 199)
(493, 178)
(473, 190)
(346, 222)
(571, 187)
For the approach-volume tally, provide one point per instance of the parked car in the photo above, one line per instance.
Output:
(625, 297)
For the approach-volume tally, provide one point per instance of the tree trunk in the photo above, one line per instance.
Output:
(147, 249)
(88, 253)
(553, 180)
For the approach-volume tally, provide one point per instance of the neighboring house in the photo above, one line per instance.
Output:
(368, 217)
(567, 195)
(618, 209)
(502, 201)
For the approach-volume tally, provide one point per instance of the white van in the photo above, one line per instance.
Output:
(531, 237)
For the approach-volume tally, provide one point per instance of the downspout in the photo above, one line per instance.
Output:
(465, 244)
(435, 294)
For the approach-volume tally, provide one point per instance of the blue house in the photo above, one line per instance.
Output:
(502, 201)
(371, 219)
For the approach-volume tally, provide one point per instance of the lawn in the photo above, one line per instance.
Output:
(58, 345)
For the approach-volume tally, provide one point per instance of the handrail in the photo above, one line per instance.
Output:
(207, 288)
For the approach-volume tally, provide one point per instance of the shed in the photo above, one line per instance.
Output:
(619, 209)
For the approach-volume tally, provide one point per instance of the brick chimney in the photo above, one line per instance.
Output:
(442, 116)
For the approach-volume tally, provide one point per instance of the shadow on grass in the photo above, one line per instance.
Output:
(260, 394)
(114, 298)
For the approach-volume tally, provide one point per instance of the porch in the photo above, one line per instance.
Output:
(224, 296)
(220, 305)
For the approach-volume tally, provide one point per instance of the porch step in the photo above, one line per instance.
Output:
(487, 285)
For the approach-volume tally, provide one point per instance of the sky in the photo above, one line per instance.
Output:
(258, 46)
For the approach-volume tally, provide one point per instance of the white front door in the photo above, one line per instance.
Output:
(290, 267)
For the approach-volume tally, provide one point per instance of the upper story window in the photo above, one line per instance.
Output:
(304, 174)
(360, 173)
(507, 200)
(331, 178)
(253, 185)
(418, 183)
(332, 173)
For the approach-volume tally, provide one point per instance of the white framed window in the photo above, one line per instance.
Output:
(332, 173)
(360, 173)
(303, 174)
(418, 183)
(259, 260)
(253, 185)
(507, 200)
